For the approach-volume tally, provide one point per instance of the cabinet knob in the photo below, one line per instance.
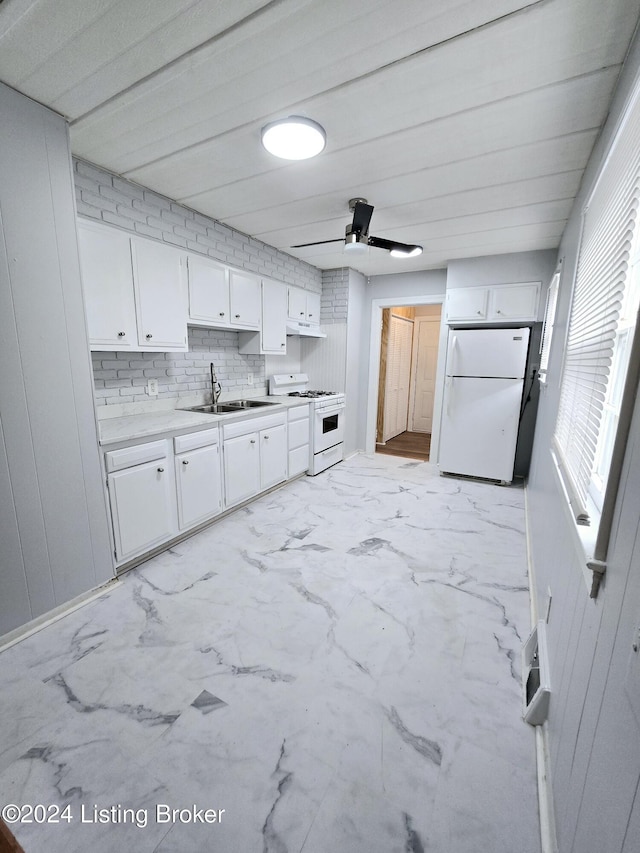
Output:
(479, 312)
(160, 470)
(302, 313)
(283, 345)
(253, 441)
(148, 337)
(237, 316)
(498, 311)
(266, 437)
(185, 461)
(310, 315)
(222, 313)
(121, 334)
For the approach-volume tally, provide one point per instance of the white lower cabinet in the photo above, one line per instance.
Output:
(298, 440)
(255, 456)
(142, 504)
(241, 468)
(198, 477)
(273, 456)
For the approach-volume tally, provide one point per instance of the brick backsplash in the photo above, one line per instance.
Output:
(121, 377)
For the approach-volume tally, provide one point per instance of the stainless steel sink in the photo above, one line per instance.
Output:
(215, 409)
(249, 404)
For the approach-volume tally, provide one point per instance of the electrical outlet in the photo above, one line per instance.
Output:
(152, 387)
(250, 379)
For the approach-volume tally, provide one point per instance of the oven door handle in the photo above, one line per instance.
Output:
(330, 410)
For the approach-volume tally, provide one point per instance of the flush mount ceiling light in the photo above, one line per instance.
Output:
(294, 138)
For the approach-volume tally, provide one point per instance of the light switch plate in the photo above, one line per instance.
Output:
(152, 387)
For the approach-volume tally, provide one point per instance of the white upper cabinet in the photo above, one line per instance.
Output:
(107, 276)
(498, 303)
(159, 289)
(208, 292)
(245, 299)
(303, 306)
(272, 337)
(134, 291)
(515, 301)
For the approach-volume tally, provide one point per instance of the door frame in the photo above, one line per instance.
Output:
(374, 366)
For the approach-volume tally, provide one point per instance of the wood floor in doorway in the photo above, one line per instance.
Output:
(411, 445)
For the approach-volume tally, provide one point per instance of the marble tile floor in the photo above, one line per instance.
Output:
(336, 666)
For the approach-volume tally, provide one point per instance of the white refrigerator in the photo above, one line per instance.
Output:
(485, 372)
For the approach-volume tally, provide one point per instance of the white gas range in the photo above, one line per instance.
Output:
(327, 418)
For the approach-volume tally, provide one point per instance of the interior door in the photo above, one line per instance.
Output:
(396, 394)
(425, 349)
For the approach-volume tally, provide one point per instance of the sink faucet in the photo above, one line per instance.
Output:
(215, 386)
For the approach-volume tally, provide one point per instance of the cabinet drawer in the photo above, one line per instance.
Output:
(252, 425)
(298, 433)
(194, 440)
(298, 413)
(116, 460)
(298, 460)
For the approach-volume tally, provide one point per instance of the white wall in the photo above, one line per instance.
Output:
(54, 543)
(593, 734)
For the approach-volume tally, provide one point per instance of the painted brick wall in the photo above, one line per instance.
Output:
(335, 296)
(122, 377)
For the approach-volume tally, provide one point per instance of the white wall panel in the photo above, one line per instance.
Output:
(54, 481)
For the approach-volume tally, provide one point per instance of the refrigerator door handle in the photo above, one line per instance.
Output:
(449, 394)
(454, 349)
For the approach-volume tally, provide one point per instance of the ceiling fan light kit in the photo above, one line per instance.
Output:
(294, 138)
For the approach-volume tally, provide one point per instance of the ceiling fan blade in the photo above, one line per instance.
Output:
(361, 218)
(317, 243)
(395, 246)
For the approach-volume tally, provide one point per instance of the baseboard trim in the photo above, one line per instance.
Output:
(546, 814)
(35, 625)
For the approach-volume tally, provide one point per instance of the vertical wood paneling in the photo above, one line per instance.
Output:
(46, 403)
(324, 359)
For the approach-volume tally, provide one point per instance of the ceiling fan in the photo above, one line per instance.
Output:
(357, 234)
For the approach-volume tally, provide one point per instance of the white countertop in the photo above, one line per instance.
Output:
(114, 430)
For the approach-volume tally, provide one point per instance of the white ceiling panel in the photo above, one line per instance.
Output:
(466, 123)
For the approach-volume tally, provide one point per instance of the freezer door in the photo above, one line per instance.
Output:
(487, 352)
(480, 427)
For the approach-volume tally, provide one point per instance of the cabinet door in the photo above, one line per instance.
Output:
(313, 307)
(273, 456)
(107, 279)
(297, 303)
(241, 468)
(274, 317)
(515, 301)
(467, 304)
(162, 314)
(199, 486)
(245, 300)
(208, 291)
(141, 507)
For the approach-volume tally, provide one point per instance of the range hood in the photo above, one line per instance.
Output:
(303, 330)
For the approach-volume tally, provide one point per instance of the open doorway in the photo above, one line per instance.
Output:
(407, 380)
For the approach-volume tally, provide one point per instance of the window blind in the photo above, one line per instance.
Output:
(609, 221)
